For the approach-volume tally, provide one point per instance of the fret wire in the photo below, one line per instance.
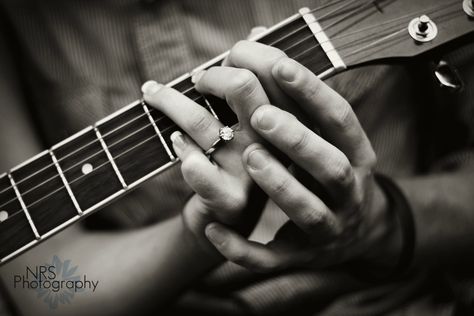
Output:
(333, 38)
(190, 89)
(82, 176)
(210, 107)
(80, 148)
(89, 157)
(123, 125)
(327, 5)
(104, 163)
(23, 206)
(157, 130)
(186, 91)
(111, 159)
(66, 184)
(119, 127)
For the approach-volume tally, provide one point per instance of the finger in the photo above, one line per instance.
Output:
(332, 113)
(201, 175)
(256, 31)
(303, 207)
(323, 161)
(239, 87)
(184, 146)
(196, 121)
(249, 254)
(259, 59)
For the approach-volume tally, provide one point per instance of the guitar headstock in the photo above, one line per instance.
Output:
(386, 30)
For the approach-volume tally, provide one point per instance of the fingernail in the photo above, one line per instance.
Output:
(197, 76)
(214, 234)
(151, 87)
(287, 70)
(178, 140)
(257, 159)
(264, 120)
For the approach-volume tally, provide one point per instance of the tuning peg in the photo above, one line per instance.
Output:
(423, 24)
(468, 7)
(448, 77)
(422, 29)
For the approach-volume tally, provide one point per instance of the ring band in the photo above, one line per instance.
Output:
(226, 134)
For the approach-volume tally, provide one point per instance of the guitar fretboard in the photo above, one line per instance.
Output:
(102, 162)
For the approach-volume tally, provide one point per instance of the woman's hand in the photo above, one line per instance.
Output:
(223, 188)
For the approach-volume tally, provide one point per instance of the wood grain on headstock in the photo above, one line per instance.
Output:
(374, 31)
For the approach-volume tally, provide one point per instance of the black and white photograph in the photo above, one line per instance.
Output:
(237, 157)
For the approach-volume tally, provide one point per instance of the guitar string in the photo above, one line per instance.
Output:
(90, 157)
(163, 117)
(305, 26)
(124, 138)
(82, 176)
(383, 39)
(77, 164)
(356, 41)
(192, 88)
(186, 91)
(317, 45)
(378, 41)
(144, 114)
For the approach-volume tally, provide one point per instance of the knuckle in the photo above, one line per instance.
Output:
(243, 82)
(189, 170)
(371, 159)
(239, 257)
(342, 173)
(200, 123)
(265, 266)
(235, 201)
(312, 220)
(342, 117)
(275, 56)
(281, 186)
(300, 141)
(312, 90)
(358, 198)
(238, 50)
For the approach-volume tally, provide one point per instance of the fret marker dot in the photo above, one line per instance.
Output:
(87, 168)
(3, 215)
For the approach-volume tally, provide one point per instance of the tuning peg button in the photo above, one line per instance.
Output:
(468, 7)
(423, 24)
(448, 77)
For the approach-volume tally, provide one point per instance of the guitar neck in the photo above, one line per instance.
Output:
(83, 173)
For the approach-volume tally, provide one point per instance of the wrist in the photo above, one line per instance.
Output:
(385, 240)
(399, 250)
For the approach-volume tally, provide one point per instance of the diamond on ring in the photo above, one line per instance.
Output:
(226, 133)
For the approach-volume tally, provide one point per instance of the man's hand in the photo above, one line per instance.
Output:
(336, 215)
